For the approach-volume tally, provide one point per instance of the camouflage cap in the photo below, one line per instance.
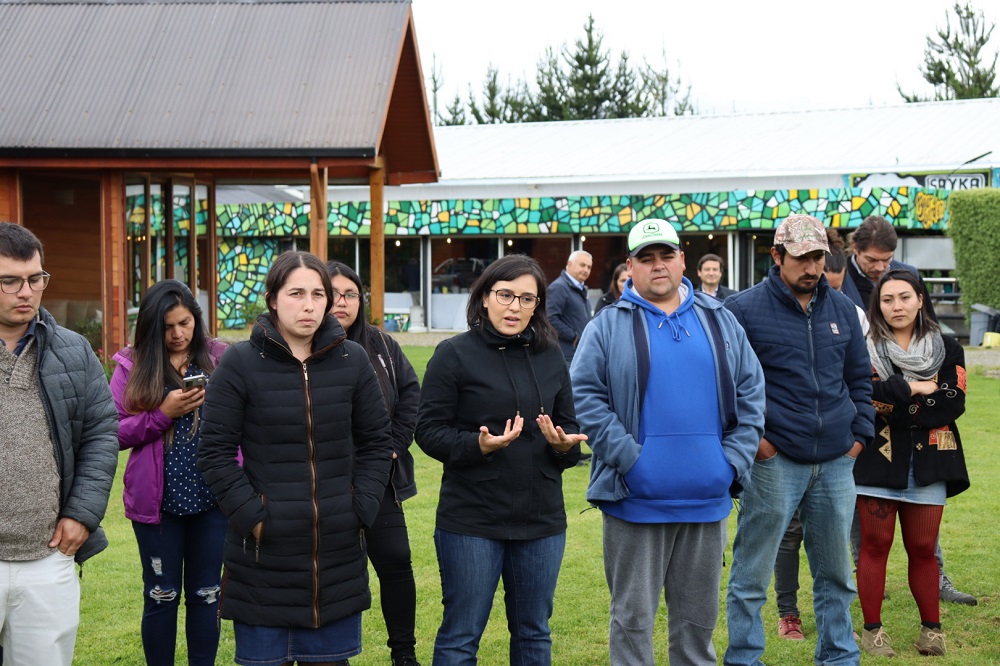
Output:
(652, 232)
(801, 234)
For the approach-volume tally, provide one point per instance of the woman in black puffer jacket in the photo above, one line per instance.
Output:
(490, 410)
(303, 405)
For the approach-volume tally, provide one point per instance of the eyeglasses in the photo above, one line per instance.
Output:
(506, 297)
(12, 285)
(349, 297)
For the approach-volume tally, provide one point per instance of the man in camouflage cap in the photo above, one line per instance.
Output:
(819, 417)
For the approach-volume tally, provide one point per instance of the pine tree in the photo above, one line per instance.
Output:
(588, 79)
(954, 62)
(578, 83)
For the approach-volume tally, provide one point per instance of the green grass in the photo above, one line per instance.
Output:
(112, 589)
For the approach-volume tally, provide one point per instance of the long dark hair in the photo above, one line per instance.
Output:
(619, 269)
(880, 329)
(151, 366)
(369, 337)
(506, 269)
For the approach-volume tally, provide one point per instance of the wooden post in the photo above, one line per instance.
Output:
(10, 196)
(212, 263)
(376, 185)
(319, 230)
(114, 261)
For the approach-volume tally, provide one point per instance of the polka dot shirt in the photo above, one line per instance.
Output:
(185, 492)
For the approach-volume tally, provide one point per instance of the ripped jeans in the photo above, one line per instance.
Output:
(188, 548)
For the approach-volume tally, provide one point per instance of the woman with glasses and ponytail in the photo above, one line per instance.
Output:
(387, 542)
(496, 408)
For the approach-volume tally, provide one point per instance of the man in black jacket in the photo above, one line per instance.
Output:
(567, 306)
(58, 453)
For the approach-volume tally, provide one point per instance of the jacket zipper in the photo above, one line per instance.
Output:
(311, 443)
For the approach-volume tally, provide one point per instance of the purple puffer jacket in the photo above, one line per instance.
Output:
(143, 433)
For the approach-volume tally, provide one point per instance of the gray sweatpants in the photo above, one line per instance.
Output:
(684, 560)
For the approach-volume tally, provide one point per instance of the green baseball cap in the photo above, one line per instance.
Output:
(652, 232)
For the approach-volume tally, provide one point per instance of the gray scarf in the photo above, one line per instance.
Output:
(918, 363)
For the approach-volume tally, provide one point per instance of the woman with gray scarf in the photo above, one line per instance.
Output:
(916, 460)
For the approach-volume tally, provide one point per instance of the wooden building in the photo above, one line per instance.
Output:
(112, 109)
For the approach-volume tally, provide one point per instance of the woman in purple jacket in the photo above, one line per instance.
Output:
(159, 388)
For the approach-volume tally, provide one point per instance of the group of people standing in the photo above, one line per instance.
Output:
(814, 409)
(284, 460)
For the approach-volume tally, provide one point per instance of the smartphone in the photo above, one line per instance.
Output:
(194, 380)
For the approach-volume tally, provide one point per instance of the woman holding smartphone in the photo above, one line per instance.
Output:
(178, 525)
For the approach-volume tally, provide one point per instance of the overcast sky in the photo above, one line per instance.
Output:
(737, 55)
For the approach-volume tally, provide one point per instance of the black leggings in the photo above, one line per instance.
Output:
(389, 552)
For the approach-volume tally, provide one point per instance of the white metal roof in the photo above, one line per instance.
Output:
(780, 150)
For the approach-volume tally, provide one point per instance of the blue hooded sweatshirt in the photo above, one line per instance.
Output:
(682, 474)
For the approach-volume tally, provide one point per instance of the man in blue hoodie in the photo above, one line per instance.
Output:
(819, 417)
(672, 396)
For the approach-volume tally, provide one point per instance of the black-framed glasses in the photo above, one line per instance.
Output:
(349, 297)
(506, 297)
(12, 285)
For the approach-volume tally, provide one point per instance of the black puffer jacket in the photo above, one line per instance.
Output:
(482, 378)
(920, 428)
(316, 449)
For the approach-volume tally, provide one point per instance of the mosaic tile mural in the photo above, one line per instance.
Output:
(243, 268)
(249, 234)
(906, 207)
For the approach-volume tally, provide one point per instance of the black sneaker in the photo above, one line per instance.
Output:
(407, 660)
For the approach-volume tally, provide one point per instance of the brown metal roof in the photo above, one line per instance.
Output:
(198, 79)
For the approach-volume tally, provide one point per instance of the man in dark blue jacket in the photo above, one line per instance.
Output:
(819, 417)
(567, 305)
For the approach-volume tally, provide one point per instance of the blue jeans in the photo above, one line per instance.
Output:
(470, 568)
(332, 643)
(824, 496)
(181, 550)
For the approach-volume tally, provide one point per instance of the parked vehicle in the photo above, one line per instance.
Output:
(456, 273)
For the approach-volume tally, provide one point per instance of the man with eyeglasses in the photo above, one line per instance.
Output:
(873, 247)
(58, 453)
(672, 396)
(567, 305)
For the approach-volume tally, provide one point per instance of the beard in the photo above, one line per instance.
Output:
(799, 287)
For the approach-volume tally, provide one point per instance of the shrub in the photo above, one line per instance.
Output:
(974, 228)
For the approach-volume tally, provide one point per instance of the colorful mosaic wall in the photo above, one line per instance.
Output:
(251, 235)
(243, 266)
(272, 219)
(906, 207)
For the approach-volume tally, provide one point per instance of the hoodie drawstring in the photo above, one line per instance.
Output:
(675, 326)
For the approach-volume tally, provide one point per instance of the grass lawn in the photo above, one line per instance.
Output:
(112, 587)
